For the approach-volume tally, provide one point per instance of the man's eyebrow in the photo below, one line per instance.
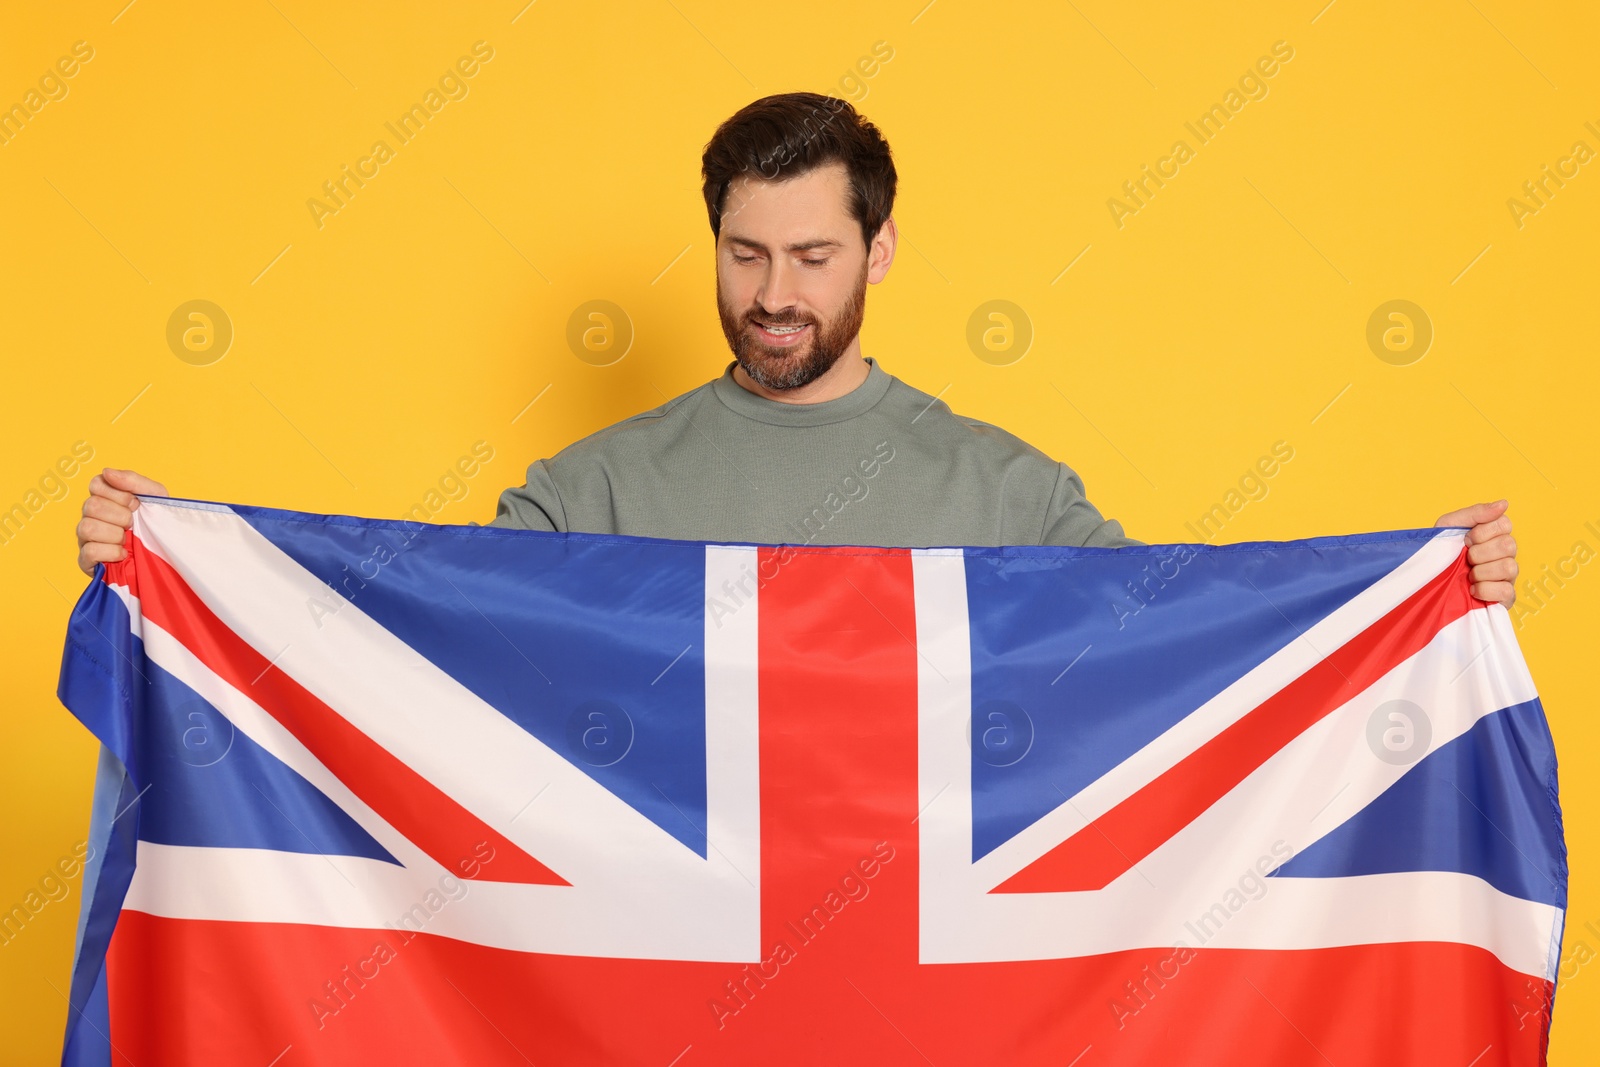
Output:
(798, 246)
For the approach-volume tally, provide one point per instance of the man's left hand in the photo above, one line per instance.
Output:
(1491, 551)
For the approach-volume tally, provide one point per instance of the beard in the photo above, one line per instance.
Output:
(801, 364)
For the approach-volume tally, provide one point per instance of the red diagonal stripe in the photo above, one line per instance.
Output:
(428, 817)
(1110, 845)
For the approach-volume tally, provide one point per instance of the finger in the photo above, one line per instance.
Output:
(134, 482)
(98, 486)
(95, 531)
(1495, 592)
(1501, 547)
(95, 552)
(1498, 570)
(1489, 530)
(1472, 516)
(107, 510)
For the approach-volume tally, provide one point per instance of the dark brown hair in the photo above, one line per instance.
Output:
(785, 136)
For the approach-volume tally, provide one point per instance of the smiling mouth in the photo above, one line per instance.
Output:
(781, 334)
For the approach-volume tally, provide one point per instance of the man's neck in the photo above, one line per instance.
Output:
(846, 374)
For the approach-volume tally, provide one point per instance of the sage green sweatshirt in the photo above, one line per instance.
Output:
(885, 464)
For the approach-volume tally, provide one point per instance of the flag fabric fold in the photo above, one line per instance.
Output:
(388, 792)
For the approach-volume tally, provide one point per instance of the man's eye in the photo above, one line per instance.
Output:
(744, 259)
(815, 262)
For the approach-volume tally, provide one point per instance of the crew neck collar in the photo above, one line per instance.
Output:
(777, 413)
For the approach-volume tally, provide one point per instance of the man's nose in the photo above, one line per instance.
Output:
(778, 290)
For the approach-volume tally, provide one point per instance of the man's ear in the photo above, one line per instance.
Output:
(881, 254)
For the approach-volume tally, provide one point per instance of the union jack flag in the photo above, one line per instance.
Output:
(389, 792)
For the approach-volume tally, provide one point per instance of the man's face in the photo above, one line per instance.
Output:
(792, 275)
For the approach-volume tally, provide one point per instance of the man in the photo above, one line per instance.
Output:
(802, 439)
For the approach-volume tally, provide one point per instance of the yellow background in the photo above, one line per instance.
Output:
(1228, 313)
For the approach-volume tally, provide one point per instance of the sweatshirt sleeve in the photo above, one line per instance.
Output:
(535, 505)
(1071, 520)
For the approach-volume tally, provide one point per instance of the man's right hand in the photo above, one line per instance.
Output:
(108, 513)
